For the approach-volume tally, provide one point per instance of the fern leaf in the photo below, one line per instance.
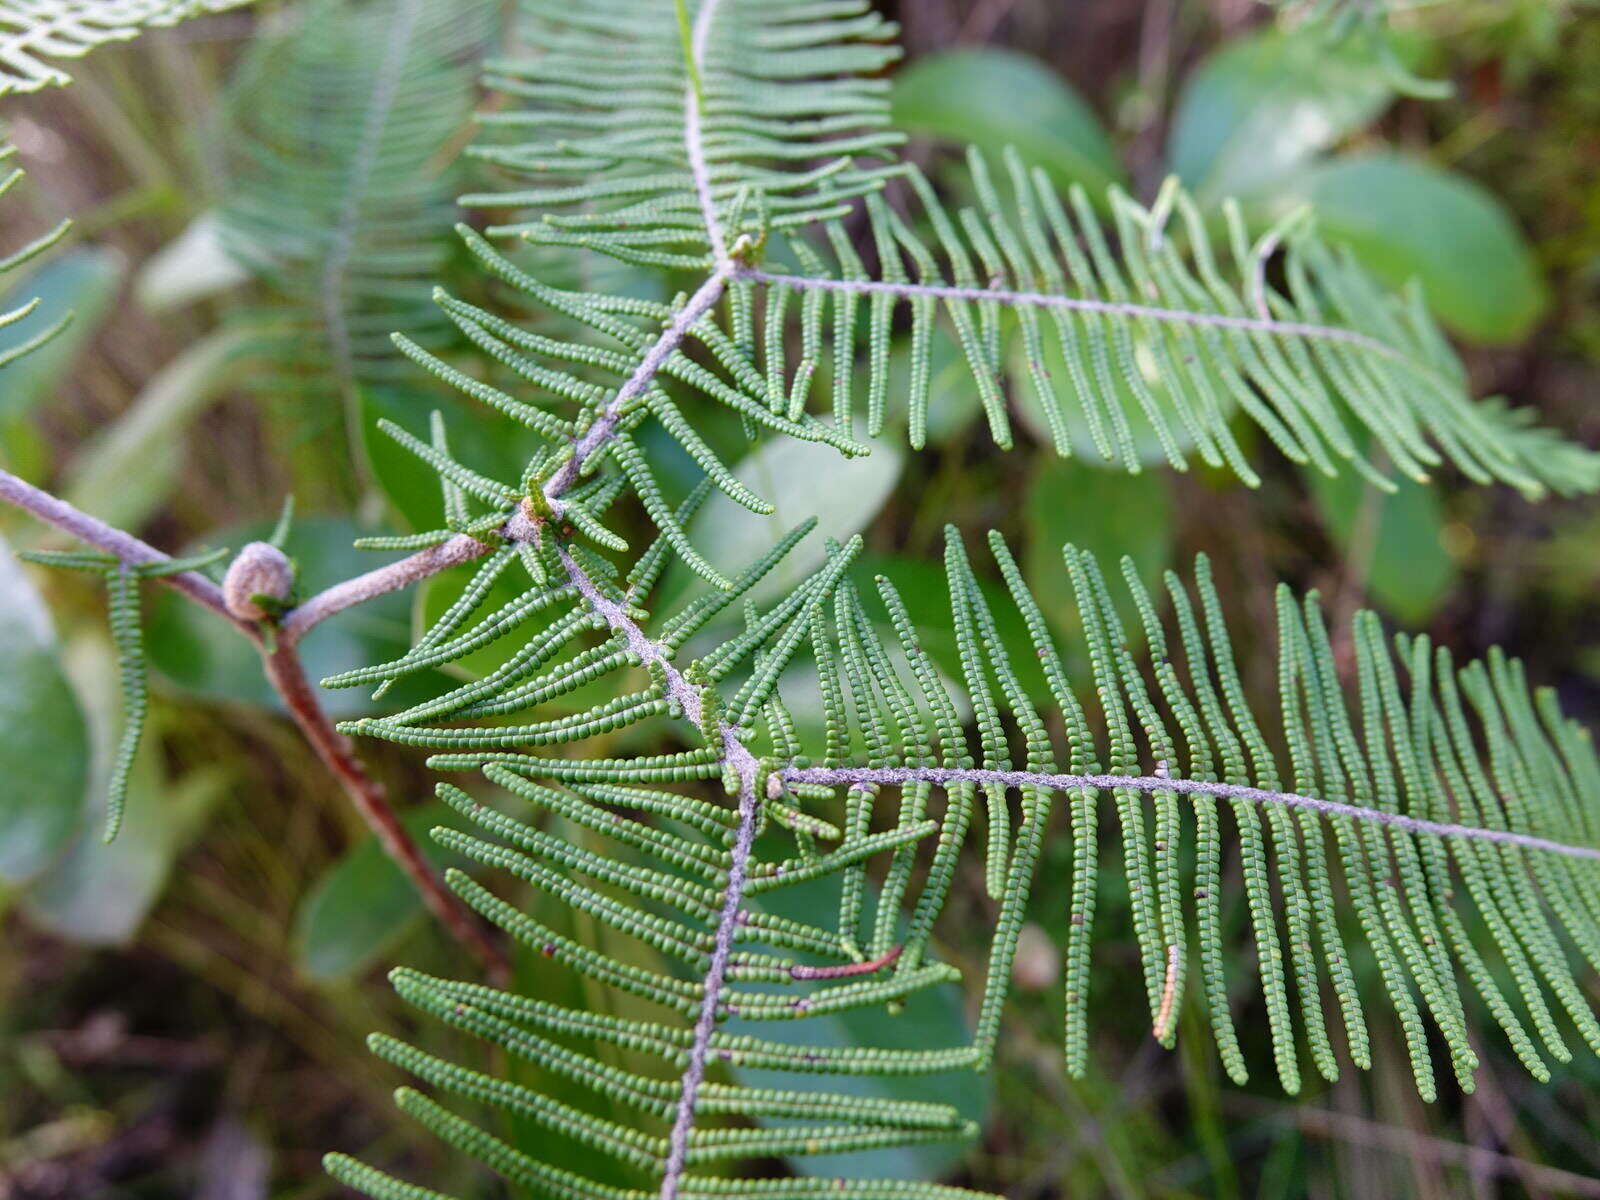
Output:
(33, 32)
(337, 140)
(1161, 336)
(1387, 825)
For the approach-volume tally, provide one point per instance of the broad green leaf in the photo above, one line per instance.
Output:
(364, 904)
(44, 743)
(204, 654)
(1404, 219)
(130, 467)
(99, 892)
(1108, 513)
(1265, 103)
(82, 282)
(994, 98)
(802, 479)
(192, 266)
(1396, 541)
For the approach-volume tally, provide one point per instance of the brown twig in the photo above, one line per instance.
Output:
(334, 749)
(288, 677)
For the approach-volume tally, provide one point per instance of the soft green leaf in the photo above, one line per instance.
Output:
(192, 266)
(801, 479)
(1108, 513)
(82, 282)
(1396, 541)
(1405, 219)
(994, 98)
(129, 468)
(44, 744)
(1264, 104)
(356, 912)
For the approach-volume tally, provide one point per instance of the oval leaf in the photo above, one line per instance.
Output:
(44, 742)
(1264, 104)
(997, 98)
(1404, 220)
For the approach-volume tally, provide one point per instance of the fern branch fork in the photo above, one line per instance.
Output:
(287, 675)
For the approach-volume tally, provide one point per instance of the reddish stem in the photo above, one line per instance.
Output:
(847, 969)
(333, 748)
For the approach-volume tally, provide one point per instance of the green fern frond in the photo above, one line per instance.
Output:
(10, 260)
(1158, 338)
(655, 142)
(32, 32)
(127, 636)
(1438, 819)
(338, 142)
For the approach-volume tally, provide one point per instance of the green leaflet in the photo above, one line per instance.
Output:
(1161, 336)
(744, 144)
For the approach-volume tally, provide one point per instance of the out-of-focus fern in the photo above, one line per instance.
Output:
(32, 32)
(338, 137)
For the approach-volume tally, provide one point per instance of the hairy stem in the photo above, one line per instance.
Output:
(124, 546)
(843, 776)
(738, 756)
(1175, 316)
(333, 748)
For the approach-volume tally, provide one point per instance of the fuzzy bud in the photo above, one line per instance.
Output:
(261, 572)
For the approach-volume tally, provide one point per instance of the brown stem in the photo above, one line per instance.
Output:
(333, 748)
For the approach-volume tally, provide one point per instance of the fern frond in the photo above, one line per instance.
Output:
(1437, 819)
(656, 137)
(1159, 338)
(339, 195)
(32, 32)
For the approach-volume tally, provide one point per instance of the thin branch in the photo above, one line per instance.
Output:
(334, 749)
(604, 427)
(326, 603)
(287, 675)
(840, 776)
(1175, 316)
(124, 546)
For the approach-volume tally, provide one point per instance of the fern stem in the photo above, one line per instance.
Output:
(739, 758)
(604, 427)
(846, 776)
(127, 548)
(693, 140)
(1178, 316)
(287, 675)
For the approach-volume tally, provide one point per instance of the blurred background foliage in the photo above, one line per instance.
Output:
(182, 1012)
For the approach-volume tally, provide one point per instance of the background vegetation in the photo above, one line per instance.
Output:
(184, 1010)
